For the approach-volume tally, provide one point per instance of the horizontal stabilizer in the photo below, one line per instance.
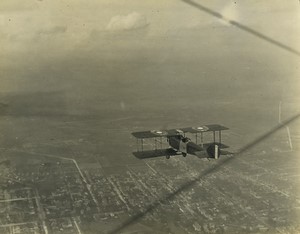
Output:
(221, 145)
(225, 152)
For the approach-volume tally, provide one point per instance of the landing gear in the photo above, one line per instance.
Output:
(168, 156)
(184, 154)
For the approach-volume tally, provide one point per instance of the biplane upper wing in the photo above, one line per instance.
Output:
(156, 133)
(150, 134)
(155, 153)
(171, 132)
(205, 128)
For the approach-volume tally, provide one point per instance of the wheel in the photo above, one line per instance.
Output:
(168, 156)
(184, 154)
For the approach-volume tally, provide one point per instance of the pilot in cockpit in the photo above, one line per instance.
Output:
(185, 139)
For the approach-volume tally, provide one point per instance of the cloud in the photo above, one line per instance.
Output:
(53, 30)
(18, 6)
(131, 21)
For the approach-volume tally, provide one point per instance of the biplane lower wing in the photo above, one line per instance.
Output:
(155, 153)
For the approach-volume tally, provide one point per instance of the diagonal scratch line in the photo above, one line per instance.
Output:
(269, 133)
(242, 27)
(191, 183)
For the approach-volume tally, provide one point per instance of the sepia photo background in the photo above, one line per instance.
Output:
(77, 77)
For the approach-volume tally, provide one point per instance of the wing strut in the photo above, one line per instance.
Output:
(214, 136)
(139, 144)
(201, 138)
(158, 141)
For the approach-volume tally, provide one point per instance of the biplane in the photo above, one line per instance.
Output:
(179, 144)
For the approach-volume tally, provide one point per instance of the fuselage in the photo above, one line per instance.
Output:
(184, 145)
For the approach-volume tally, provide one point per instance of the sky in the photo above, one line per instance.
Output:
(61, 26)
(92, 46)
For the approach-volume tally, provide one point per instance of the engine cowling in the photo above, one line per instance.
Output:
(213, 150)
